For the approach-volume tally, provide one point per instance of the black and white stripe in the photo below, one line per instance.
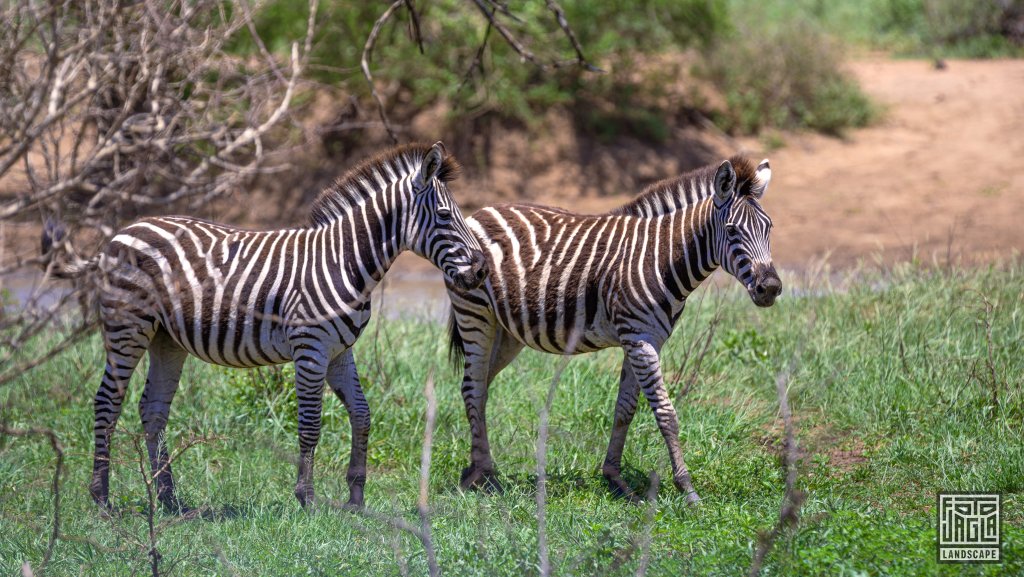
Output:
(179, 286)
(569, 283)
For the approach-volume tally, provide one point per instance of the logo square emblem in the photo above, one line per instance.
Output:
(969, 528)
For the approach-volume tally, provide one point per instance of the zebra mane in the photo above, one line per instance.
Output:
(672, 194)
(372, 176)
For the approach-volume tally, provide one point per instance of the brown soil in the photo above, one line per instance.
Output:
(944, 168)
(940, 174)
(843, 453)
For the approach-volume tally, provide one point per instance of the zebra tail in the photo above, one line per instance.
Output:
(456, 346)
(69, 265)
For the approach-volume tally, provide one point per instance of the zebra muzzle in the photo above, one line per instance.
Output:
(470, 276)
(766, 286)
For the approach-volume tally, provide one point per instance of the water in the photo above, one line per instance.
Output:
(410, 290)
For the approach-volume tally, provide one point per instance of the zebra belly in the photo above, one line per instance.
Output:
(597, 335)
(243, 345)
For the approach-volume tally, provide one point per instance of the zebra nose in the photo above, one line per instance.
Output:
(479, 265)
(769, 287)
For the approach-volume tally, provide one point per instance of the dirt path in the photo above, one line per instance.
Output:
(944, 168)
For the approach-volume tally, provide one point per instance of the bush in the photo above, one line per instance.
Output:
(985, 29)
(787, 77)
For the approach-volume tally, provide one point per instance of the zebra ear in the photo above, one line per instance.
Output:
(761, 179)
(431, 165)
(725, 180)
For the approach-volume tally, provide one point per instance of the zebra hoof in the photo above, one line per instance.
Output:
(355, 498)
(103, 505)
(480, 479)
(620, 490)
(174, 506)
(692, 498)
(305, 496)
(99, 492)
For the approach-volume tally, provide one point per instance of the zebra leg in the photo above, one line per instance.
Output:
(488, 349)
(125, 344)
(625, 409)
(166, 359)
(343, 379)
(309, 388)
(646, 365)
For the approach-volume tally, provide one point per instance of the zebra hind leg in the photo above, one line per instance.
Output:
(485, 358)
(625, 409)
(310, 372)
(166, 359)
(125, 346)
(343, 379)
(646, 366)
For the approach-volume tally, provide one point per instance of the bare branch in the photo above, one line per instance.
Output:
(414, 21)
(792, 499)
(542, 459)
(371, 41)
(422, 503)
(652, 508)
(512, 41)
(564, 24)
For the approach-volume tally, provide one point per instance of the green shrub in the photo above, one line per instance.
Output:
(787, 77)
(953, 28)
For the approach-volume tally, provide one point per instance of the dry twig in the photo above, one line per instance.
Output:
(364, 63)
(789, 513)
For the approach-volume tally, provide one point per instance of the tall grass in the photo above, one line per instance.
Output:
(904, 383)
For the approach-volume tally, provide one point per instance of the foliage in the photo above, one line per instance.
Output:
(789, 76)
(985, 29)
(500, 83)
(915, 28)
(624, 38)
(891, 392)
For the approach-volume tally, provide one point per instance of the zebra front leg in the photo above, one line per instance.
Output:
(343, 379)
(309, 389)
(166, 359)
(625, 409)
(646, 366)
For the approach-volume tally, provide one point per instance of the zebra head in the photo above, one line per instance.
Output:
(744, 229)
(438, 232)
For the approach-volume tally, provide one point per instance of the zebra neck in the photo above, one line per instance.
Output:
(361, 246)
(693, 254)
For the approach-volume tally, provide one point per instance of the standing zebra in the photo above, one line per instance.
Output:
(177, 286)
(567, 283)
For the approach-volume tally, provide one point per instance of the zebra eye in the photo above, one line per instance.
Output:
(732, 229)
(444, 213)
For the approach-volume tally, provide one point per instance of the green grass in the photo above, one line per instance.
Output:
(891, 394)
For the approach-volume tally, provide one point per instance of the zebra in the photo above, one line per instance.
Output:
(179, 286)
(569, 283)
